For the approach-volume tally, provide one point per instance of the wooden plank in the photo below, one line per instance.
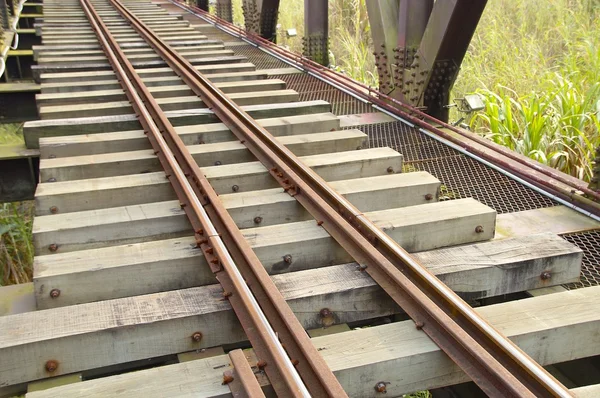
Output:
(71, 77)
(50, 59)
(397, 353)
(225, 153)
(82, 275)
(70, 196)
(592, 391)
(92, 144)
(557, 219)
(175, 90)
(137, 223)
(75, 126)
(190, 102)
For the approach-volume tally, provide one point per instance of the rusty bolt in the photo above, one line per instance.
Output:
(546, 275)
(227, 294)
(54, 293)
(196, 337)
(381, 387)
(428, 196)
(51, 365)
(325, 313)
(235, 188)
(53, 247)
(257, 220)
(419, 325)
(295, 362)
(227, 379)
(51, 179)
(218, 163)
(287, 258)
(479, 229)
(390, 169)
(363, 267)
(54, 210)
(261, 364)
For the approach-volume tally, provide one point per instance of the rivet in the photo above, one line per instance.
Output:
(479, 229)
(227, 379)
(381, 387)
(51, 365)
(235, 188)
(53, 247)
(196, 337)
(54, 210)
(546, 275)
(54, 293)
(261, 364)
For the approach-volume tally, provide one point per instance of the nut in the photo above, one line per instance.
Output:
(381, 387)
(546, 275)
(54, 293)
(51, 365)
(196, 337)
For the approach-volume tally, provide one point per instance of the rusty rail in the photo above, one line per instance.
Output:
(517, 164)
(224, 247)
(498, 366)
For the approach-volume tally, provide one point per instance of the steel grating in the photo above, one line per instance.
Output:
(589, 242)
(311, 89)
(259, 58)
(461, 176)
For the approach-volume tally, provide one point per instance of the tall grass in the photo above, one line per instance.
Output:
(16, 247)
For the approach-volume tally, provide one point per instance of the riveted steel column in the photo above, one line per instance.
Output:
(260, 17)
(383, 17)
(443, 47)
(202, 4)
(315, 42)
(225, 10)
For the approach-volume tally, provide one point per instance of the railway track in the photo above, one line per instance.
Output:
(176, 177)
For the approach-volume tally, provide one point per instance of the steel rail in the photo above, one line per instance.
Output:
(421, 119)
(198, 200)
(498, 366)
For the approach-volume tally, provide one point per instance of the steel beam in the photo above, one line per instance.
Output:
(260, 17)
(419, 46)
(202, 4)
(225, 10)
(316, 31)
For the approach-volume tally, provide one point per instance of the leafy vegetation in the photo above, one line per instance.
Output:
(16, 247)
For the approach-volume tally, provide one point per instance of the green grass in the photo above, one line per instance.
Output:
(16, 247)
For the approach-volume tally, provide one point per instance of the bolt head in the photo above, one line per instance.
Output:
(54, 293)
(479, 229)
(51, 365)
(53, 247)
(54, 210)
(51, 179)
(381, 387)
(546, 275)
(390, 169)
(218, 163)
(428, 196)
(258, 220)
(196, 337)
(325, 313)
(235, 188)
(287, 258)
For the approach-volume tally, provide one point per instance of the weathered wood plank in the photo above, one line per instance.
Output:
(191, 102)
(75, 126)
(175, 90)
(92, 144)
(397, 353)
(70, 196)
(484, 270)
(224, 153)
(128, 224)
